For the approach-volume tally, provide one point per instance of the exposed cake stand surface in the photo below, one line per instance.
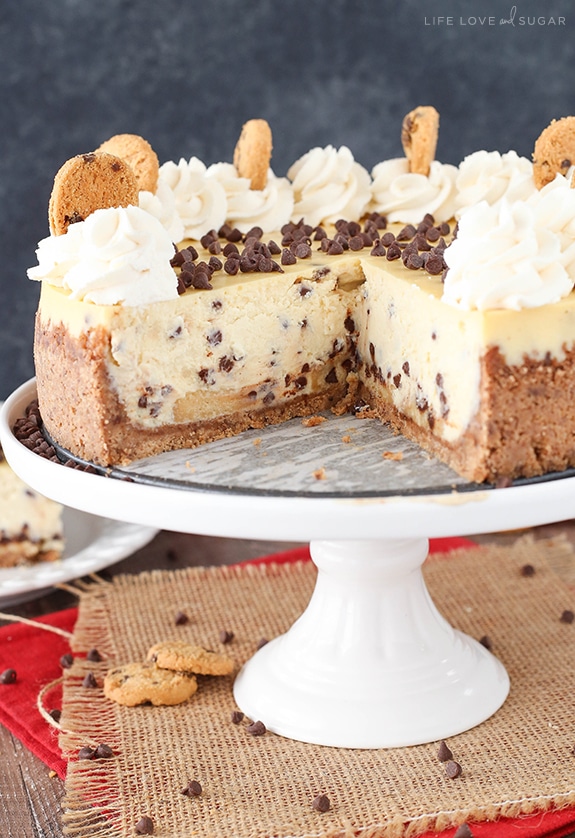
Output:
(371, 662)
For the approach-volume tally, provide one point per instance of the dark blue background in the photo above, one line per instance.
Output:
(186, 75)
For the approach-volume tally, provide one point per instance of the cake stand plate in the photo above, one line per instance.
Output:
(371, 662)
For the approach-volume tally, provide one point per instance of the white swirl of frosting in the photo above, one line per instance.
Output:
(490, 176)
(200, 200)
(514, 255)
(406, 196)
(116, 256)
(329, 184)
(269, 208)
(162, 205)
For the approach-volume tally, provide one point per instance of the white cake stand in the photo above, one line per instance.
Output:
(371, 663)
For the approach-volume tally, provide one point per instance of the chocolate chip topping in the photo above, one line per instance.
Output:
(567, 616)
(237, 717)
(8, 676)
(463, 831)
(226, 636)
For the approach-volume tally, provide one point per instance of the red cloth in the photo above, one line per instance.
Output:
(35, 655)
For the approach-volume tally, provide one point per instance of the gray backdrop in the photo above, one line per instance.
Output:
(186, 74)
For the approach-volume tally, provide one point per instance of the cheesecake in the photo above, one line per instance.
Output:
(459, 337)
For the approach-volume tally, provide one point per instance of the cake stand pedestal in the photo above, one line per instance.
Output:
(371, 663)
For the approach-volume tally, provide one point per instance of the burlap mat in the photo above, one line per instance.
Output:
(519, 761)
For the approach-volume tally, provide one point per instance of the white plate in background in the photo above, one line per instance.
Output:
(92, 543)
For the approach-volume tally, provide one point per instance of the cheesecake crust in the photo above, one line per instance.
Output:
(523, 427)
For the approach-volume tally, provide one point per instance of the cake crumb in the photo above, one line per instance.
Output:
(391, 455)
(346, 438)
(52, 774)
(319, 474)
(312, 421)
(257, 440)
(190, 467)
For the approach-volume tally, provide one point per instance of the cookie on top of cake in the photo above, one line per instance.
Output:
(189, 302)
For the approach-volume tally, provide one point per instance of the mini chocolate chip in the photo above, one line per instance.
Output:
(89, 680)
(262, 642)
(66, 661)
(55, 714)
(256, 728)
(237, 717)
(193, 789)
(567, 616)
(356, 243)
(334, 248)
(503, 483)
(288, 258)
(414, 261)
(321, 803)
(94, 656)
(86, 752)
(463, 831)
(103, 751)
(145, 826)
(226, 636)
(232, 266)
(8, 676)
(406, 233)
(181, 619)
(393, 252)
(527, 570)
(444, 753)
(486, 641)
(206, 240)
(452, 769)
(302, 250)
(434, 264)
(378, 249)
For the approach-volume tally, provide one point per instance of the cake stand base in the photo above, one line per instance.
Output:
(371, 663)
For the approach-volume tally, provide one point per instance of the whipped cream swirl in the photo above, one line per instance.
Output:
(514, 255)
(200, 200)
(491, 176)
(406, 197)
(162, 205)
(116, 256)
(329, 184)
(269, 208)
